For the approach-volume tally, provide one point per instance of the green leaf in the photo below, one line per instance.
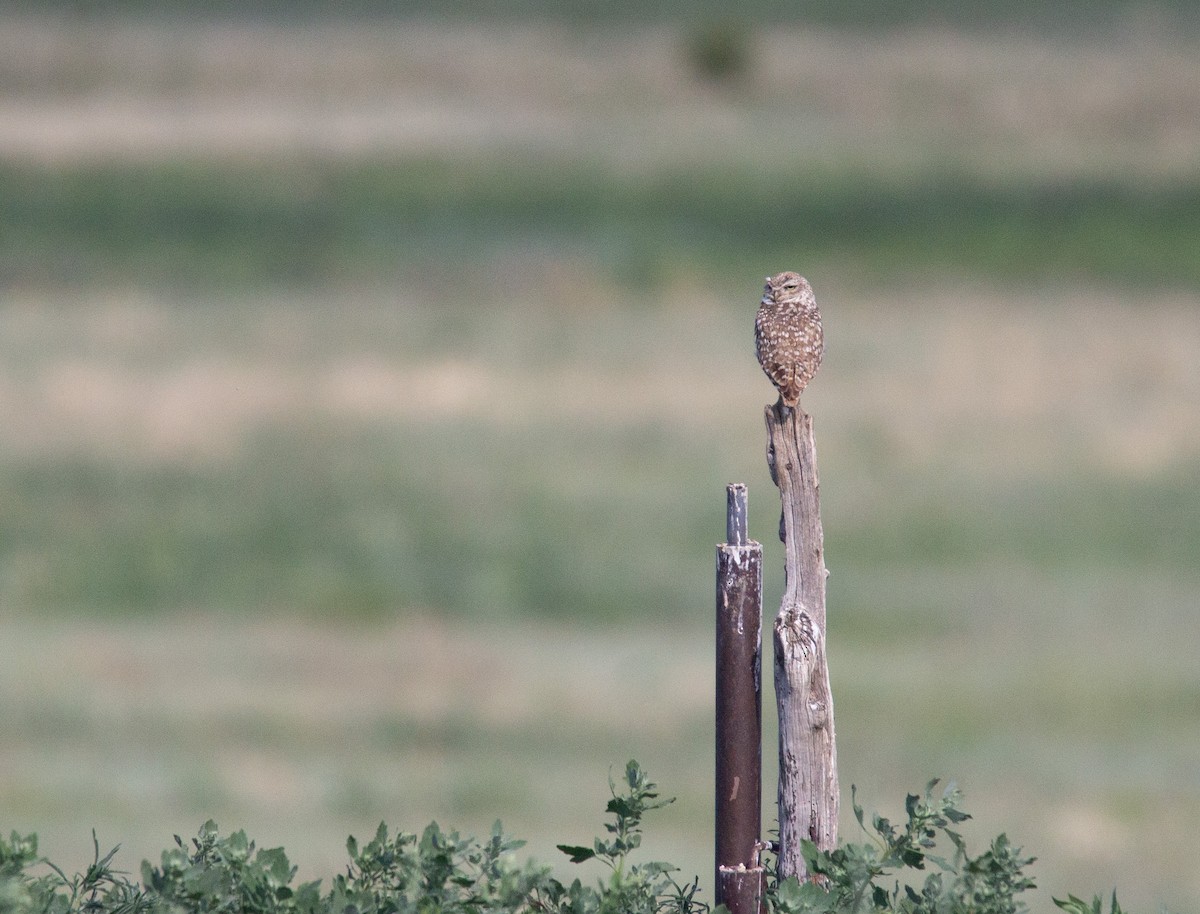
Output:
(939, 861)
(1075, 905)
(577, 853)
(624, 807)
(238, 846)
(910, 804)
(789, 892)
(274, 860)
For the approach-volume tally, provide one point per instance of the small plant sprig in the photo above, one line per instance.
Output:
(219, 874)
(643, 888)
(854, 877)
(440, 871)
(99, 888)
(1074, 905)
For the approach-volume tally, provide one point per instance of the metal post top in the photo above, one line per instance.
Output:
(736, 533)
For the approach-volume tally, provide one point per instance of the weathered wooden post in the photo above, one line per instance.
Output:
(808, 780)
(740, 879)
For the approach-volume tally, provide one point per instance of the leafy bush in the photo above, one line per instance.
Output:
(441, 872)
(720, 51)
(856, 875)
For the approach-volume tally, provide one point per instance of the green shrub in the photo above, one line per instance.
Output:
(859, 877)
(720, 51)
(441, 872)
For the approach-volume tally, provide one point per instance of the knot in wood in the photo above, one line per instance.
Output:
(797, 633)
(818, 713)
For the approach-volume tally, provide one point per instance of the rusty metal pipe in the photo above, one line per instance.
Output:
(739, 877)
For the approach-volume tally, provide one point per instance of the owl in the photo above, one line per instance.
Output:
(788, 336)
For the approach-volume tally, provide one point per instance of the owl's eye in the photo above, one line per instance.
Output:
(791, 286)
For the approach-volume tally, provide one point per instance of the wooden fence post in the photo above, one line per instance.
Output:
(740, 879)
(808, 780)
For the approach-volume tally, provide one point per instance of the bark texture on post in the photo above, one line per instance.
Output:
(808, 781)
(740, 881)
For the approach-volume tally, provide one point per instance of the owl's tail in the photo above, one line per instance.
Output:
(789, 393)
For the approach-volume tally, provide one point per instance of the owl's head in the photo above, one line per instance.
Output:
(786, 286)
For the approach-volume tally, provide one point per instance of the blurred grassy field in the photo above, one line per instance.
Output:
(346, 366)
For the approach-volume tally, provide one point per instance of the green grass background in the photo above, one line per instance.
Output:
(343, 481)
(321, 222)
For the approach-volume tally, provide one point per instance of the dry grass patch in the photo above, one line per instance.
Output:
(992, 103)
(1004, 384)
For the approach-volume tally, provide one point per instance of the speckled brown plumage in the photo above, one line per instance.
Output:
(788, 336)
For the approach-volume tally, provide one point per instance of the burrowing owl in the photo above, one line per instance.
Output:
(788, 335)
